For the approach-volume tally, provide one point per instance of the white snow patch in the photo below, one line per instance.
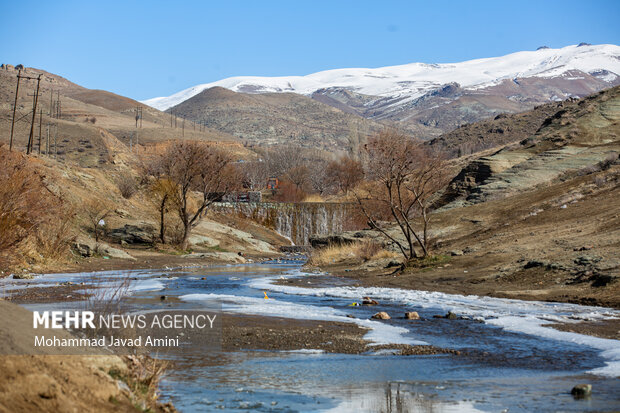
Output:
(415, 79)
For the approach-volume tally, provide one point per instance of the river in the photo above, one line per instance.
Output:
(510, 360)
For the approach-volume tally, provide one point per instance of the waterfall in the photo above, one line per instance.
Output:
(297, 221)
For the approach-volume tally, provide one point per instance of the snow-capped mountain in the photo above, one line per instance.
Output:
(402, 85)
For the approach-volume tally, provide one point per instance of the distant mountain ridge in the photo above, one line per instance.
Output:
(430, 99)
(416, 79)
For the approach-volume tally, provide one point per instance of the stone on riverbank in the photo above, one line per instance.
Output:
(581, 390)
(382, 315)
(369, 301)
(24, 276)
(412, 315)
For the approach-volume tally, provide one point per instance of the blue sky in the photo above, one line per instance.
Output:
(147, 49)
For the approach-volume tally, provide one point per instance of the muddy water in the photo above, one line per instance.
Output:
(510, 359)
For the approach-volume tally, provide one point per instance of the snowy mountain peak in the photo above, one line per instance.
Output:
(416, 79)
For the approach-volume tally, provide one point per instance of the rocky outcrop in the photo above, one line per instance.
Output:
(581, 135)
(87, 247)
(141, 233)
(218, 256)
(350, 237)
(345, 238)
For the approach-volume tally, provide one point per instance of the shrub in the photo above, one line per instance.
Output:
(610, 160)
(127, 185)
(33, 221)
(368, 249)
(289, 192)
(357, 252)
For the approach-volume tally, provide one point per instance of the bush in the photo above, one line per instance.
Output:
(352, 253)
(610, 160)
(33, 221)
(289, 192)
(368, 249)
(127, 185)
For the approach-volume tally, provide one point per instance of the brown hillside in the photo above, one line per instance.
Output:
(275, 118)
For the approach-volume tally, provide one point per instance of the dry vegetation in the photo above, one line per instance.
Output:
(33, 221)
(350, 253)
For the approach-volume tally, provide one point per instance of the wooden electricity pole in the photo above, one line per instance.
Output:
(58, 105)
(138, 116)
(34, 114)
(55, 140)
(19, 76)
(40, 127)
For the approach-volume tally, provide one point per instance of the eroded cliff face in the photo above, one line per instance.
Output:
(581, 136)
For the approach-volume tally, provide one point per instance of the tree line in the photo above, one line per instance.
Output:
(394, 187)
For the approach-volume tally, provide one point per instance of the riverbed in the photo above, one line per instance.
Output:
(509, 357)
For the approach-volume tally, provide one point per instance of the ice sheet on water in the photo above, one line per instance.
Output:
(526, 317)
(380, 333)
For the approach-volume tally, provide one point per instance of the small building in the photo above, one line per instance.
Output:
(272, 183)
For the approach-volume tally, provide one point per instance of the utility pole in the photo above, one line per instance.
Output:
(55, 139)
(19, 76)
(183, 126)
(47, 146)
(138, 116)
(34, 114)
(40, 127)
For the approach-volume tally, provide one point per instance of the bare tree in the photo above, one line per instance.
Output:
(403, 178)
(318, 180)
(164, 193)
(282, 159)
(345, 173)
(254, 174)
(97, 211)
(298, 176)
(194, 167)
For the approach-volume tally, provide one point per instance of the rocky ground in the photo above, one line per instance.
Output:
(273, 333)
